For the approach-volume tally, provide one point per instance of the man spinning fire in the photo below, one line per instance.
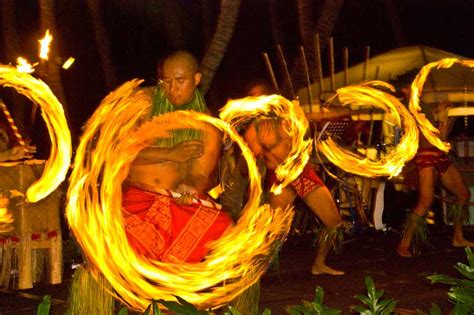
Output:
(158, 225)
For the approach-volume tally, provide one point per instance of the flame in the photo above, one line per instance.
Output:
(430, 132)
(52, 111)
(393, 162)
(24, 66)
(68, 63)
(237, 112)
(6, 218)
(236, 261)
(44, 45)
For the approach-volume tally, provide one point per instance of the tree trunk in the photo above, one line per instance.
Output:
(52, 74)
(12, 51)
(229, 12)
(102, 43)
(324, 27)
(395, 22)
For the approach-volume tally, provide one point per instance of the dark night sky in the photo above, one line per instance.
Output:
(137, 41)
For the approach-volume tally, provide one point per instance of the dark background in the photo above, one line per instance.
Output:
(138, 40)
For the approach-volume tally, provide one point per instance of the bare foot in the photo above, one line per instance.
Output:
(323, 269)
(404, 251)
(463, 243)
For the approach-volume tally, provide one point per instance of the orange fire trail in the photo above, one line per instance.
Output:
(430, 132)
(52, 111)
(236, 261)
(237, 112)
(392, 163)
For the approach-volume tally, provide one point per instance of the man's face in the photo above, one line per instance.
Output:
(179, 81)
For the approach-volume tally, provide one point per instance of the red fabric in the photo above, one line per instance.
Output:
(307, 182)
(160, 229)
(432, 158)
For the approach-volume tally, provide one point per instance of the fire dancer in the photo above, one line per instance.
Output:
(159, 226)
(269, 140)
(433, 164)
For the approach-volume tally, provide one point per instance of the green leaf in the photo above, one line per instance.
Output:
(319, 295)
(435, 310)
(43, 308)
(470, 256)
(362, 310)
(156, 309)
(267, 312)
(123, 311)
(234, 311)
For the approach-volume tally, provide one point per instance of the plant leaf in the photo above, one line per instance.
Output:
(43, 308)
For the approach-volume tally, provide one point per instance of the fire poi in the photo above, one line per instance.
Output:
(392, 163)
(429, 131)
(53, 114)
(108, 146)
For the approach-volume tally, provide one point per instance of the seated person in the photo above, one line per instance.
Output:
(157, 225)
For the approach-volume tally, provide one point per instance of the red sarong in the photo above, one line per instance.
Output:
(161, 229)
(432, 158)
(307, 182)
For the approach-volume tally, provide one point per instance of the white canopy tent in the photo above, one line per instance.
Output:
(455, 84)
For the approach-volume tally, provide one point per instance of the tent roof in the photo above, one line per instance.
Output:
(455, 83)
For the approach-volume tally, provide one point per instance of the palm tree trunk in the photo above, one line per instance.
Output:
(324, 26)
(12, 51)
(102, 43)
(229, 12)
(52, 75)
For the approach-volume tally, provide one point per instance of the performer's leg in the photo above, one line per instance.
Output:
(322, 204)
(454, 183)
(427, 182)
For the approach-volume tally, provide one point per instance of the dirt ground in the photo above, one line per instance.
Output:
(366, 254)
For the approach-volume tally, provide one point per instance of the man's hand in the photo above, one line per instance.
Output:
(186, 150)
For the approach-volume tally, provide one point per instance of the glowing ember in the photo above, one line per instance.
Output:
(430, 132)
(236, 260)
(68, 63)
(51, 109)
(392, 163)
(44, 45)
(24, 66)
(237, 112)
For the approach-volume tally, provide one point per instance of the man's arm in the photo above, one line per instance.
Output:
(182, 152)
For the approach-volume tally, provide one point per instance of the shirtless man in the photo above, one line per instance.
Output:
(433, 165)
(269, 140)
(155, 221)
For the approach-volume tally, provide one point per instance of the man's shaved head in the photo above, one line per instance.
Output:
(185, 58)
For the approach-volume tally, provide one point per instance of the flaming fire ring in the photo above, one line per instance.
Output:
(107, 148)
(392, 163)
(237, 112)
(38, 92)
(429, 131)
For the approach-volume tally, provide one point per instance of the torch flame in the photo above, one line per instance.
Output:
(393, 162)
(52, 111)
(430, 132)
(24, 66)
(44, 45)
(239, 111)
(235, 262)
